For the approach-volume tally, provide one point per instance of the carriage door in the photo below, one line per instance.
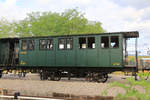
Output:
(115, 51)
(46, 52)
(104, 52)
(91, 51)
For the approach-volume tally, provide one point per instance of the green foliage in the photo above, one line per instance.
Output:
(6, 29)
(131, 91)
(68, 22)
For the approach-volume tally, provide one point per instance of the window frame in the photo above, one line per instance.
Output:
(22, 45)
(51, 43)
(29, 44)
(118, 42)
(81, 45)
(40, 44)
(108, 42)
(87, 47)
(72, 43)
(46, 40)
(64, 43)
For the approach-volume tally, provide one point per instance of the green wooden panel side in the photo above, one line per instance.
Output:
(81, 55)
(45, 57)
(65, 57)
(92, 58)
(104, 58)
(111, 57)
(60, 55)
(41, 58)
(31, 58)
(60, 58)
(92, 54)
(97, 57)
(28, 57)
(23, 58)
(116, 55)
(50, 58)
(116, 58)
(70, 58)
(104, 55)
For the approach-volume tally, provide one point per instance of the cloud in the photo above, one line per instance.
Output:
(44, 2)
(115, 15)
(138, 4)
(145, 14)
(10, 11)
(82, 2)
(8, 3)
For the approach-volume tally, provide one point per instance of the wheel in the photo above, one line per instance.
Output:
(43, 76)
(20, 75)
(89, 77)
(102, 78)
(0, 74)
(56, 76)
(24, 74)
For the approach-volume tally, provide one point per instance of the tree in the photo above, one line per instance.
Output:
(70, 21)
(6, 29)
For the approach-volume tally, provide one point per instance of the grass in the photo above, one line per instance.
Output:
(131, 91)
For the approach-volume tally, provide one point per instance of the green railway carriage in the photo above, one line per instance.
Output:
(68, 51)
(80, 55)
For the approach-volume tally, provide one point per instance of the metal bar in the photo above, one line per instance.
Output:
(136, 54)
(27, 98)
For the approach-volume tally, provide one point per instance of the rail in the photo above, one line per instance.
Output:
(27, 98)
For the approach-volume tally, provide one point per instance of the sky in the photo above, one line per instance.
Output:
(115, 15)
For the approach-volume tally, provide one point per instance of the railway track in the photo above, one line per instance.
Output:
(64, 79)
(37, 77)
(8, 97)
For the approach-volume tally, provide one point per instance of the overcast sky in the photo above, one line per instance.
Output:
(115, 15)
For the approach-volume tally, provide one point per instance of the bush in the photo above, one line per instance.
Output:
(131, 88)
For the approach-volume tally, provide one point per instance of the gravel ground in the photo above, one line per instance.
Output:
(46, 88)
(31, 85)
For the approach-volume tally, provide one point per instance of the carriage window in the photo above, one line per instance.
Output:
(82, 42)
(91, 42)
(61, 44)
(46, 44)
(49, 44)
(42, 44)
(31, 44)
(114, 42)
(105, 42)
(24, 45)
(69, 43)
